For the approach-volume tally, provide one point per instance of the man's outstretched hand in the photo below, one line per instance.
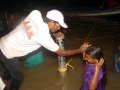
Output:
(84, 46)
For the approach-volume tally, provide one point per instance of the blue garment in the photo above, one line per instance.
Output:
(117, 63)
(88, 75)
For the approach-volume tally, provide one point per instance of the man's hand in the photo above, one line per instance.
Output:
(84, 46)
(59, 35)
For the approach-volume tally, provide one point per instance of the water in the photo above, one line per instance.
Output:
(47, 76)
(104, 33)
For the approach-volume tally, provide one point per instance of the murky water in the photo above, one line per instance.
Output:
(98, 31)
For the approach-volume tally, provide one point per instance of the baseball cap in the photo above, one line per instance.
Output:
(57, 16)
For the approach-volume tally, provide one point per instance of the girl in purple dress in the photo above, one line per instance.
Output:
(94, 77)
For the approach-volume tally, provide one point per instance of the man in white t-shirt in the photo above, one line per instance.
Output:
(32, 33)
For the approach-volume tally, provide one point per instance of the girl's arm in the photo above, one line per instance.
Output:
(94, 81)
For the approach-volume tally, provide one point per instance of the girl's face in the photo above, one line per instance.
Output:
(89, 59)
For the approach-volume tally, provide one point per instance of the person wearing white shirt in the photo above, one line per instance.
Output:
(32, 33)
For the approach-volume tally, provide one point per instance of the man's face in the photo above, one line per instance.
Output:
(54, 26)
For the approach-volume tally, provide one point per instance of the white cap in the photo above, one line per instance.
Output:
(57, 16)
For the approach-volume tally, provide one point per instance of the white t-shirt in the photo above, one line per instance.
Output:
(2, 85)
(28, 36)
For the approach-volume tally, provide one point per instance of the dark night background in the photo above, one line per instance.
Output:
(18, 4)
(24, 7)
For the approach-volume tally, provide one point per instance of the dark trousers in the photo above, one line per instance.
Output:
(12, 71)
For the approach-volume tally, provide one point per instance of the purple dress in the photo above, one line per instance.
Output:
(88, 75)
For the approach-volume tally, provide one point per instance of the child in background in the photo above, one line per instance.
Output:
(94, 77)
(117, 60)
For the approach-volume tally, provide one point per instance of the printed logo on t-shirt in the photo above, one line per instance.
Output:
(30, 28)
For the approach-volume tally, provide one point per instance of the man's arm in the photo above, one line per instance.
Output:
(80, 50)
(61, 52)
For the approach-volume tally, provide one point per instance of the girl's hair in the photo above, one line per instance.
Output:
(97, 53)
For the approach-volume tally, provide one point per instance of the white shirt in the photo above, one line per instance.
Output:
(28, 36)
(2, 85)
